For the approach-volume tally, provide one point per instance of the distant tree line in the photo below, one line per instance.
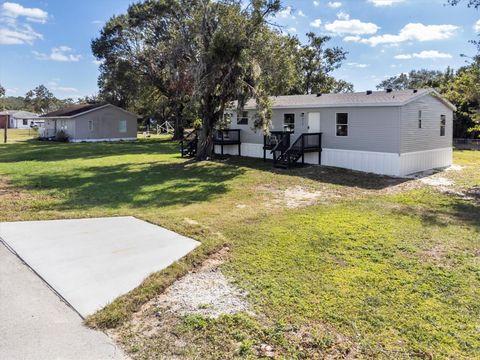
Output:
(39, 100)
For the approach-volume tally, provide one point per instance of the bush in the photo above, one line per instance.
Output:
(62, 136)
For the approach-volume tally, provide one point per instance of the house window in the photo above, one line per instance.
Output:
(90, 125)
(419, 119)
(242, 118)
(122, 126)
(25, 122)
(342, 124)
(289, 123)
(443, 124)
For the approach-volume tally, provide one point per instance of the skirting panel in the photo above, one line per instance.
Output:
(367, 161)
(425, 160)
(101, 140)
(380, 163)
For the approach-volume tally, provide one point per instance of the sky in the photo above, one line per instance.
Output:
(48, 41)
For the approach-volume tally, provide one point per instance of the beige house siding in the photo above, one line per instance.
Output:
(105, 125)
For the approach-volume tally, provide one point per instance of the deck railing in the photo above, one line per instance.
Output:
(227, 136)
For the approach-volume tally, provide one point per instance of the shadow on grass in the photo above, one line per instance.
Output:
(136, 185)
(323, 174)
(45, 151)
(458, 209)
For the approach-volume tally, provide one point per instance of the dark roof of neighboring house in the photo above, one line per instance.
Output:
(73, 110)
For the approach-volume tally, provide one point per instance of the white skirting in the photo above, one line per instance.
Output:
(393, 164)
(425, 160)
(102, 140)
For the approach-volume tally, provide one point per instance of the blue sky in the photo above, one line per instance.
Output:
(48, 41)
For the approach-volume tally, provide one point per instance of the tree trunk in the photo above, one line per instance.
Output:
(205, 143)
(178, 129)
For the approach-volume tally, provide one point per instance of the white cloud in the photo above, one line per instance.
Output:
(476, 27)
(316, 23)
(352, 27)
(354, 38)
(16, 10)
(357, 65)
(301, 13)
(62, 53)
(286, 12)
(385, 2)
(292, 29)
(413, 32)
(316, 3)
(55, 86)
(13, 31)
(426, 54)
(18, 34)
(334, 4)
(97, 62)
(342, 15)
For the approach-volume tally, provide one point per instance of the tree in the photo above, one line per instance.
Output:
(418, 79)
(2, 91)
(40, 99)
(470, 3)
(317, 62)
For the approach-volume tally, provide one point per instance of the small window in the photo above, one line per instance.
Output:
(90, 125)
(25, 122)
(342, 124)
(419, 119)
(443, 124)
(242, 118)
(289, 123)
(122, 126)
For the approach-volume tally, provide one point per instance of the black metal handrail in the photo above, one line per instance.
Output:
(190, 148)
(306, 142)
(231, 136)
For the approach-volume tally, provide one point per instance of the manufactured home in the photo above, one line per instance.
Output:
(19, 119)
(384, 132)
(91, 123)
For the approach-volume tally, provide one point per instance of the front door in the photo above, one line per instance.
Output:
(314, 122)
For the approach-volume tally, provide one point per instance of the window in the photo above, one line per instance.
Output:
(242, 118)
(342, 124)
(90, 125)
(443, 124)
(25, 122)
(419, 119)
(289, 123)
(122, 126)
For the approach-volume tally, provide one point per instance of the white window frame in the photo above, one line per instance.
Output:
(242, 117)
(122, 128)
(90, 125)
(347, 125)
(443, 125)
(294, 121)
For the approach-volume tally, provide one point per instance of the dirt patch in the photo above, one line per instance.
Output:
(296, 196)
(204, 291)
(9, 192)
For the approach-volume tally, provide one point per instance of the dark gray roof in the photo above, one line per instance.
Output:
(73, 110)
(376, 98)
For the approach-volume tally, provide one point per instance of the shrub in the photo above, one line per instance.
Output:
(62, 136)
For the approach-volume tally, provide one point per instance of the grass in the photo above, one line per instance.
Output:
(377, 267)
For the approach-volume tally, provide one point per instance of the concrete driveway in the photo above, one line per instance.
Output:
(36, 324)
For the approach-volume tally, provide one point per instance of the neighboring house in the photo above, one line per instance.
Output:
(91, 123)
(18, 119)
(383, 132)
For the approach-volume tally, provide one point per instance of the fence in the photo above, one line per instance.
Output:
(467, 144)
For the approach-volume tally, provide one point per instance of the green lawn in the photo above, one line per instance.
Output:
(376, 267)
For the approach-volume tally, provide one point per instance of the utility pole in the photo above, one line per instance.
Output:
(6, 127)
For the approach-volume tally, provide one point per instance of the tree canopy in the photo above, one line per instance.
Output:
(188, 59)
(2, 91)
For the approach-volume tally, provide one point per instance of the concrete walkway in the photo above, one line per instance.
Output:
(36, 324)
